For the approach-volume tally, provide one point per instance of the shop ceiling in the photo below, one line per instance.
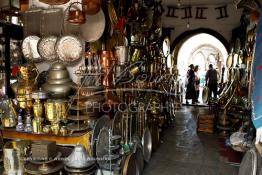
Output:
(200, 2)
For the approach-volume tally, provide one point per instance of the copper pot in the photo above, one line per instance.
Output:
(91, 7)
(75, 15)
(105, 59)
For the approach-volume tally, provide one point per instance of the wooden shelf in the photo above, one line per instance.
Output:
(72, 140)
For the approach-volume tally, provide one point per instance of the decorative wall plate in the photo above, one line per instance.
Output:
(46, 48)
(69, 49)
(29, 49)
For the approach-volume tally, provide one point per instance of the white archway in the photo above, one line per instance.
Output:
(208, 46)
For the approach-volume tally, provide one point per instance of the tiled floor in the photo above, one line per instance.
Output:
(185, 152)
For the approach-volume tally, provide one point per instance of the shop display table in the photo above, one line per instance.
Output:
(70, 140)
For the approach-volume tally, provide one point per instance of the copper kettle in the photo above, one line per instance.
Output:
(91, 7)
(75, 15)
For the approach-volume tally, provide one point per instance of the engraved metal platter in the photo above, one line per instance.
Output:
(29, 49)
(46, 48)
(69, 49)
(94, 27)
(100, 123)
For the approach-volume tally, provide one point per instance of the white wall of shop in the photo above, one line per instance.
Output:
(223, 26)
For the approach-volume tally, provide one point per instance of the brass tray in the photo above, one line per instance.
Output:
(69, 49)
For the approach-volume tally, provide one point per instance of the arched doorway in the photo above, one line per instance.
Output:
(200, 49)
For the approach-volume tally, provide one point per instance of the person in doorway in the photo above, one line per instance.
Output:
(190, 87)
(197, 83)
(211, 81)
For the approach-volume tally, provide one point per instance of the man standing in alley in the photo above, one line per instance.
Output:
(211, 81)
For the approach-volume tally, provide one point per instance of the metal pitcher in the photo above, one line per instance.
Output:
(121, 53)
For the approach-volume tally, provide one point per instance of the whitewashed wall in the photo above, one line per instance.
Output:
(223, 26)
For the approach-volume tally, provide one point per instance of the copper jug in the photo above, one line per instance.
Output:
(75, 15)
